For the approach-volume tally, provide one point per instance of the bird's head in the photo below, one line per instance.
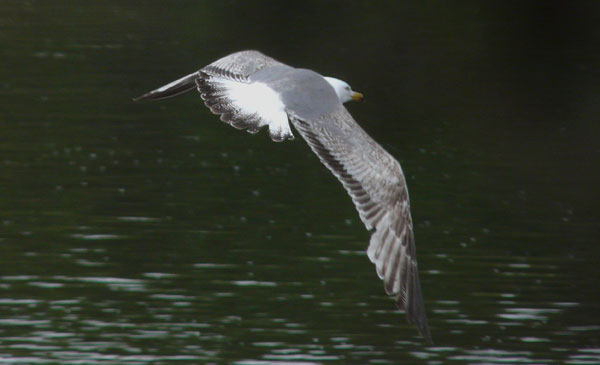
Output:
(343, 90)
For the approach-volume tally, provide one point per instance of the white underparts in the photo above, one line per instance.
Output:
(258, 99)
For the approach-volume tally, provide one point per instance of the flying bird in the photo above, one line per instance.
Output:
(250, 90)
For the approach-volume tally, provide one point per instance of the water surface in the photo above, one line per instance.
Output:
(153, 233)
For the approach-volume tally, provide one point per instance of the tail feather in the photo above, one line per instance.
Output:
(169, 90)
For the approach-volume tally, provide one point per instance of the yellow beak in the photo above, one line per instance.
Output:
(357, 96)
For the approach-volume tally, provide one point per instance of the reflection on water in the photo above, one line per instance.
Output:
(210, 311)
(154, 234)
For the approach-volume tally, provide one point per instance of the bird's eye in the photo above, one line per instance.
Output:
(348, 88)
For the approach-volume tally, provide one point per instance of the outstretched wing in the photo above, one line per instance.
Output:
(375, 181)
(227, 88)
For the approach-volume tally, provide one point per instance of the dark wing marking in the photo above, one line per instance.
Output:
(171, 89)
(374, 180)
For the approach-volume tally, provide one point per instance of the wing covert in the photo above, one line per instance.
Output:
(239, 66)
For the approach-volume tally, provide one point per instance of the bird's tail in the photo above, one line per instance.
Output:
(174, 88)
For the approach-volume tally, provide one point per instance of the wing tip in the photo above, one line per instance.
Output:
(413, 305)
(171, 89)
(141, 97)
(417, 318)
(422, 326)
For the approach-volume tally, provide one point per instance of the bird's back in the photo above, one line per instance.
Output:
(305, 93)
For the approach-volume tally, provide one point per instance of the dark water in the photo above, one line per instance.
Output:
(152, 233)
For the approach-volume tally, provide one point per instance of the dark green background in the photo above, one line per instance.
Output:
(153, 233)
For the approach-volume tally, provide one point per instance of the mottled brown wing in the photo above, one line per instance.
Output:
(375, 181)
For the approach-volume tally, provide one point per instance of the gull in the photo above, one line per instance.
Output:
(250, 91)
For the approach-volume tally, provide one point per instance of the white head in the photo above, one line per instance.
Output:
(343, 90)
